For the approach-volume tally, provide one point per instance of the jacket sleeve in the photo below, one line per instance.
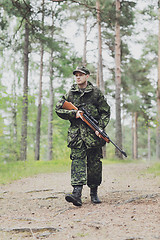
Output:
(104, 111)
(63, 113)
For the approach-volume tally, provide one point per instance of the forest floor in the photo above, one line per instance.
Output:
(35, 208)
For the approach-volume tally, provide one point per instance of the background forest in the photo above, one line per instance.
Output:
(42, 42)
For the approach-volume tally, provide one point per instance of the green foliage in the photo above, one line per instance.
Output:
(60, 149)
(127, 17)
(154, 169)
(3, 22)
(137, 85)
(108, 13)
(150, 11)
(2, 137)
(126, 21)
(150, 48)
(142, 139)
(17, 8)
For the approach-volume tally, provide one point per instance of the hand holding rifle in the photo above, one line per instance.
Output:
(79, 114)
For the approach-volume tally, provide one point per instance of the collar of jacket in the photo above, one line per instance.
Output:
(89, 88)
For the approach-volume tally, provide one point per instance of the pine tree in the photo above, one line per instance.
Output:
(100, 81)
(158, 92)
(51, 98)
(118, 79)
(25, 97)
(39, 110)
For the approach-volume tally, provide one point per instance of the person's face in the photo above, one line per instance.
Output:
(81, 79)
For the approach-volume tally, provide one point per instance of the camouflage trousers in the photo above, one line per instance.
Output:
(86, 167)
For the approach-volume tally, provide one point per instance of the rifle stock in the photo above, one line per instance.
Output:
(69, 106)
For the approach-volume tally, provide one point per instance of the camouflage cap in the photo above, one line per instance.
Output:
(82, 70)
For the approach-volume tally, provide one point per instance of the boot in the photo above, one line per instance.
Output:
(75, 196)
(94, 196)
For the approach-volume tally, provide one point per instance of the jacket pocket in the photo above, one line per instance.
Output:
(74, 139)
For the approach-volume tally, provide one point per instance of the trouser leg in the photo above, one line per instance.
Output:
(78, 175)
(78, 166)
(94, 167)
(94, 172)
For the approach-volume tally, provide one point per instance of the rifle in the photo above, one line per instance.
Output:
(92, 123)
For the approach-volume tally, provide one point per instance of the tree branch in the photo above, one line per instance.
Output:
(75, 1)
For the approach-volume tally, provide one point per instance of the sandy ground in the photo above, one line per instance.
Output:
(35, 208)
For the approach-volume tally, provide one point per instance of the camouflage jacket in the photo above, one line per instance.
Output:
(92, 99)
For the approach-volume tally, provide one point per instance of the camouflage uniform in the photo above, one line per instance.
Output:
(86, 146)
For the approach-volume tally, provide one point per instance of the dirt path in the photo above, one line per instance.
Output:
(34, 208)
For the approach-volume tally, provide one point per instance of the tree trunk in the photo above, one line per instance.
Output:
(85, 42)
(51, 101)
(14, 110)
(100, 82)
(50, 116)
(38, 124)
(118, 80)
(132, 135)
(135, 151)
(158, 95)
(149, 144)
(23, 153)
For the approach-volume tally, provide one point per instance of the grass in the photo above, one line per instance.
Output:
(155, 169)
(16, 170)
(116, 160)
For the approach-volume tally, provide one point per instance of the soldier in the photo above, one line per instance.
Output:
(86, 145)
